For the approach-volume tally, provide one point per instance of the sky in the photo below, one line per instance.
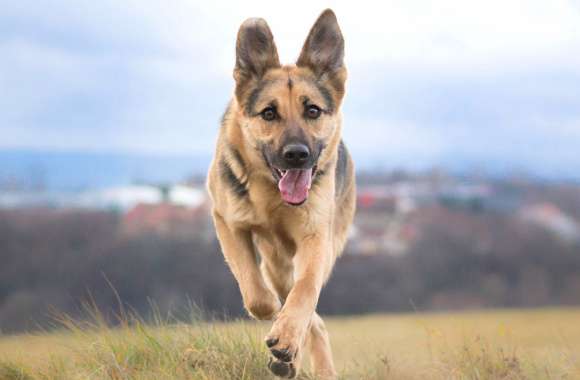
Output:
(494, 83)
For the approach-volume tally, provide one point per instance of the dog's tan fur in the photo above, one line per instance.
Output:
(297, 245)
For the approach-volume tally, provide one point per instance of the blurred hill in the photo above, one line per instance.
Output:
(73, 171)
(420, 241)
(66, 171)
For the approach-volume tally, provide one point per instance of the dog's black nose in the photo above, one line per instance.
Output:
(295, 155)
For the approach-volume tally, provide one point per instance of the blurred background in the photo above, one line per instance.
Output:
(463, 118)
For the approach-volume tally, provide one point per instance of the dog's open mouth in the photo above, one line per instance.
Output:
(294, 184)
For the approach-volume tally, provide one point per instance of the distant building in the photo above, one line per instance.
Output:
(187, 196)
(121, 198)
(553, 219)
(125, 198)
(167, 219)
(118, 198)
(473, 197)
(381, 220)
(394, 200)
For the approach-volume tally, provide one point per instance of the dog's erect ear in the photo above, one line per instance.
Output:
(323, 51)
(255, 51)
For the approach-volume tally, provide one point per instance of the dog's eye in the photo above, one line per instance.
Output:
(269, 114)
(312, 112)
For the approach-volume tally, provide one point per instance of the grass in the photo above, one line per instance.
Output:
(517, 344)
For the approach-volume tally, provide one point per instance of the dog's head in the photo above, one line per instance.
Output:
(289, 114)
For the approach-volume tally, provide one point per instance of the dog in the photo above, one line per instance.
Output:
(282, 186)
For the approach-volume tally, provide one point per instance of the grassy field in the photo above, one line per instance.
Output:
(515, 344)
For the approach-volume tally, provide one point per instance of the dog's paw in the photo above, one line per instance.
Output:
(284, 341)
(263, 306)
(282, 369)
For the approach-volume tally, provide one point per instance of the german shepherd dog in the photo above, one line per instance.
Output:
(282, 186)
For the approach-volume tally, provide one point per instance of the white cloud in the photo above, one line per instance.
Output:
(393, 139)
(154, 75)
(445, 33)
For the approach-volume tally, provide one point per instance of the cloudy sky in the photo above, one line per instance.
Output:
(481, 82)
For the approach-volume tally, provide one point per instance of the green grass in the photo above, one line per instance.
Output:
(521, 344)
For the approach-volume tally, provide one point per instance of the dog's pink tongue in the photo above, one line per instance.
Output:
(295, 184)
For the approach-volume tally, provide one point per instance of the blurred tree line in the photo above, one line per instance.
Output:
(60, 259)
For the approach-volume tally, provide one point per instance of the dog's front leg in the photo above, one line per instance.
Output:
(287, 336)
(239, 252)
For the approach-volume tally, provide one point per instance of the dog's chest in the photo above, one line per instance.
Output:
(265, 212)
